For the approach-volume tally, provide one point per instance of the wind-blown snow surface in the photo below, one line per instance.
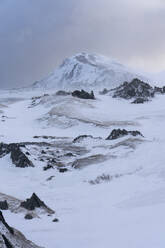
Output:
(88, 71)
(126, 211)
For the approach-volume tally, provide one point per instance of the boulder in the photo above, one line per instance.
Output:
(28, 217)
(55, 220)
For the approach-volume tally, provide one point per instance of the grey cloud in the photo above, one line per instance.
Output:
(36, 35)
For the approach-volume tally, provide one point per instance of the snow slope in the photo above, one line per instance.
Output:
(125, 211)
(87, 71)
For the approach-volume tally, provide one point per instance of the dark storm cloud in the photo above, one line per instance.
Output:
(35, 35)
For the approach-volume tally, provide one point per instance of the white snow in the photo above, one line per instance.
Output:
(88, 71)
(127, 211)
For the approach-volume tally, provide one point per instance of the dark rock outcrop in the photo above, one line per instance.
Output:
(4, 205)
(33, 202)
(83, 94)
(135, 89)
(118, 133)
(18, 157)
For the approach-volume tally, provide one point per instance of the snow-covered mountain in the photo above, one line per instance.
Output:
(88, 71)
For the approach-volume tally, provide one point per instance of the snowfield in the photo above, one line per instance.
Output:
(116, 195)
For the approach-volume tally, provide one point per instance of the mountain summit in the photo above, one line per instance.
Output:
(87, 71)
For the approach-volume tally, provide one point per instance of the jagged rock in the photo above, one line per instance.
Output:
(33, 202)
(118, 133)
(135, 89)
(17, 156)
(83, 94)
(140, 100)
(4, 205)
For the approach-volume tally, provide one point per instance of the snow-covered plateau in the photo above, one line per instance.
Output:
(97, 165)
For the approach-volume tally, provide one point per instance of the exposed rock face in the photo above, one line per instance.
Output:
(4, 205)
(118, 133)
(83, 94)
(11, 238)
(34, 202)
(18, 157)
(135, 89)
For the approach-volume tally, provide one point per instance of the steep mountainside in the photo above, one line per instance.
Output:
(87, 71)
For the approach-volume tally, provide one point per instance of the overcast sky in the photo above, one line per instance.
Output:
(36, 35)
